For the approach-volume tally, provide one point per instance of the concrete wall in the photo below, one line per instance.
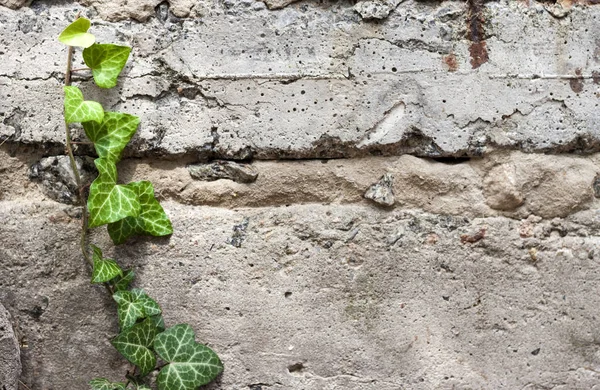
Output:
(407, 191)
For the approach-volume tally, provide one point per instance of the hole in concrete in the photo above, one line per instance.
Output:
(288, 294)
(296, 368)
(162, 11)
(452, 160)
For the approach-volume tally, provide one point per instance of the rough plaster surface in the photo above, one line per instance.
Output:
(324, 297)
(513, 184)
(10, 360)
(237, 80)
(337, 292)
(382, 258)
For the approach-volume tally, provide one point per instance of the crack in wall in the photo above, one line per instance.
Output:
(544, 185)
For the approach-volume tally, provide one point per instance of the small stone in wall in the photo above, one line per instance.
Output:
(15, 4)
(57, 179)
(382, 192)
(557, 10)
(373, 9)
(501, 188)
(276, 4)
(241, 173)
(239, 233)
(596, 186)
(10, 360)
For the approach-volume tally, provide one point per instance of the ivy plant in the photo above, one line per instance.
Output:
(127, 210)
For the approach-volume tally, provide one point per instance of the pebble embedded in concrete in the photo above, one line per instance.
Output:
(57, 178)
(382, 192)
(215, 170)
(373, 9)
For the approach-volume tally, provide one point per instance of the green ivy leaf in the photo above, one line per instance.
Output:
(104, 269)
(125, 281)
(78, 110)
(159, 322)
(133, 305)
(135, 345)
(190, 364)
(152, 219)
(76, 34)
(109, 202)
(105, 384)
(106, 62)
(112, 135)
(142, 387)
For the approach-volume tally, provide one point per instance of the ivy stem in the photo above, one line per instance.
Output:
(77, 174)
(84, 222)
(79, 69)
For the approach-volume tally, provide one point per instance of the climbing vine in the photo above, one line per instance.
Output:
(127, 210)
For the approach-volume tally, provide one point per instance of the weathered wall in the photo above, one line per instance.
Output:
(414, 203)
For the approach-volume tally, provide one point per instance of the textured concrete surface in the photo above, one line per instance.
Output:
(324, 297)
(10, 359)
(513, 184)
(318, 288)
(236, 80)
(417, 205)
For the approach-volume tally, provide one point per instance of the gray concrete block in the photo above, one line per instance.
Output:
(238, 81)
(323, 297)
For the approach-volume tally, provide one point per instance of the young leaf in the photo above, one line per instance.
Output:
(76, 34)
(133, 305)
(109, 202)
(135, 345)
(106, 62)
(123, 283)
(112, 135)
(152, 219)
(78, 110)
(190, 364)
(105, 384)
(104, 269)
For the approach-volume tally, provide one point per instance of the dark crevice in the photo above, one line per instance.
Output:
(452, 160)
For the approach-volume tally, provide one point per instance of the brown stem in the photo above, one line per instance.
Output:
(79, 69)
(76, 173)
(80, 186)
(24, 385)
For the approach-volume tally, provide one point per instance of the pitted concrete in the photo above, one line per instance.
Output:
(324, 297)
(480, 118)
(240, 81)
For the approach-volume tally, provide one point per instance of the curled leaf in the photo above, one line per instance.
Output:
(111, 135)
(190, 364)
(106, 62)
(104, 269)
(78, 110)
(76, 34)
(151, 220)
